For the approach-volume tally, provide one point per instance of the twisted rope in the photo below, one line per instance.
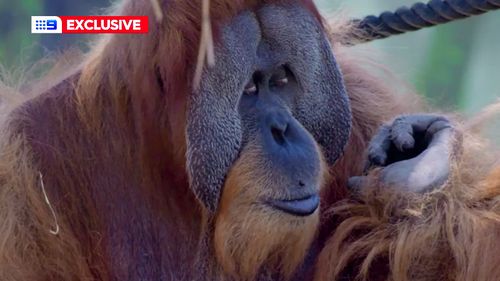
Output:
(420, 15)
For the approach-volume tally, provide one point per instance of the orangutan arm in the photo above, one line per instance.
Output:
(426, 214)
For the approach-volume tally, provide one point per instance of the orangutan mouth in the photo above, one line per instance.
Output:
(304, 206)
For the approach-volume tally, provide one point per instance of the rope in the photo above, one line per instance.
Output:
(420, 15)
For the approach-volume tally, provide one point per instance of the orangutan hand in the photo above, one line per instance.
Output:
(415, 153)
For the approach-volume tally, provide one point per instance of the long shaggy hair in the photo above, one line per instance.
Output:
(128, 97)
(450, 233)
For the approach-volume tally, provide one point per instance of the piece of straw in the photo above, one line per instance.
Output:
(206, 49)
(56, 230)
(157, 10)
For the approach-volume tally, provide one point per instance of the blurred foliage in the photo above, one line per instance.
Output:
(15, 29)
(19, 47)
(444, 68)
(455, 66)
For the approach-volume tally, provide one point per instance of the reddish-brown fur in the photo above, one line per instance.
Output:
(109, 142)
(448, 234)
(249, 236)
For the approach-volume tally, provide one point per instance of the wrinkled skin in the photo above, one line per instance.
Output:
(414, 152)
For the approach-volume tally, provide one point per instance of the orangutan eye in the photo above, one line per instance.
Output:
(250, 89)
(280, 78)
(280, 82)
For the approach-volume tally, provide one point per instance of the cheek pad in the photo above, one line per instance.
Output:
(323, 108)
(213, 131)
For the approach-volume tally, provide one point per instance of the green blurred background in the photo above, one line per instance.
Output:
(456, 66)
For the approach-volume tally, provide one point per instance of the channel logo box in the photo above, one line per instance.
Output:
(46, 24)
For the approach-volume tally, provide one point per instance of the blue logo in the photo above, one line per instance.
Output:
(46, 25)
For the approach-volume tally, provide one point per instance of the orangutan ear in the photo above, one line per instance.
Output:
(213, 129)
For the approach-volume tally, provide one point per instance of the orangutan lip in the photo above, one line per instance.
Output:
(297, 207)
